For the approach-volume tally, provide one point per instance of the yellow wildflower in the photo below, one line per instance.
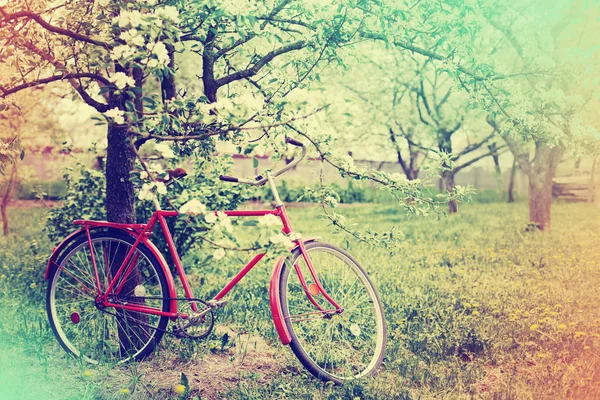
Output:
(179, 389)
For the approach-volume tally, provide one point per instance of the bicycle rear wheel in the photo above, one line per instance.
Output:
(333, 347)
(106, 335)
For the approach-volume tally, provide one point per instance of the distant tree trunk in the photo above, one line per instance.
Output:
(448, 177)
(10, 186)
(593, 181)
(511, 182)
(540, 184)
(411, 170)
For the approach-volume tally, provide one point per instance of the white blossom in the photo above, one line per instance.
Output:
(269, 220)
(211, 218)
(146, 192)
(169, 13)
(281, 239)
(159, 50)
(193, 207)
(122, 80)
(157, 168)
(133, 37)
(149, 190)
(295, 236)
(165, 150)
(122, 52)
(161, 188)
(129, 18)
(224, 222)
(219, 254)
(118, 116)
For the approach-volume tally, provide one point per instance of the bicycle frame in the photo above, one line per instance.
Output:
(142, 233)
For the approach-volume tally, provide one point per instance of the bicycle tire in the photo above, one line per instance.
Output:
(85, 314)
(308, 334)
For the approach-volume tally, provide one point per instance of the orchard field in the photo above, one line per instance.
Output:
(476, 307)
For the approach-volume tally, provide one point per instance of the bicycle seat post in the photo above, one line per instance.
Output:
(278, 202)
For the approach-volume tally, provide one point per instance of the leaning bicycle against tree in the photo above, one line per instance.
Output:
(111, 294)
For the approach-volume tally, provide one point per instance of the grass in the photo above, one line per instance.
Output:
(476, 307)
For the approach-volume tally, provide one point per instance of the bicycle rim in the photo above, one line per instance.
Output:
(111, 335)
(336, 347)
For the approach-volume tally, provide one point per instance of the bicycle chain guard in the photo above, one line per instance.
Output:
(197, 325)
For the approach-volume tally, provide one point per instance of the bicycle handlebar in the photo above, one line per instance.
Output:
(294, 142)
(260, 180)
(226, 178)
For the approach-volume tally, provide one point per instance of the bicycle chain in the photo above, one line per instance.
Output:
(177, 335)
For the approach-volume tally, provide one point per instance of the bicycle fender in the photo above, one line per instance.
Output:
(274, 297)
(307, 240)
(58, 249)
(153, 249)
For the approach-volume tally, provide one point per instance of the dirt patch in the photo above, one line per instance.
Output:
(214, 374)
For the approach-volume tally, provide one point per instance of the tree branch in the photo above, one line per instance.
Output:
(472, 147)
(236, 128)
(49, 27)
(521, 156)
(251, 71)
(415, 49)
(473, 161)
(8, 91)
(235, 44)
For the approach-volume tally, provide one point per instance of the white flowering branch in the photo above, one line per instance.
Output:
(237, 128)
(188, 220)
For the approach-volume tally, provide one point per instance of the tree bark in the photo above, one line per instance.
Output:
(540, 176)
(10, 186)
(120, 208)
(511, 182)
(120, 159)
(448, 177)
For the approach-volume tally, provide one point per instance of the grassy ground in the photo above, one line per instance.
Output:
(476, 307)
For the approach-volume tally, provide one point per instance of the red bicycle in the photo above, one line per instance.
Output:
(111, 295)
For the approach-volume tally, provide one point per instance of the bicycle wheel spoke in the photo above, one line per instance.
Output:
(343, 344)
(99, 333)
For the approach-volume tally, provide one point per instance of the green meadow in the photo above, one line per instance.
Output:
(476, 307)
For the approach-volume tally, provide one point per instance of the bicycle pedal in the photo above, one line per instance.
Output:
(217, 303)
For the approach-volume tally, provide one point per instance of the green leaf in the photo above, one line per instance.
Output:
(184, 380)
(255, 162)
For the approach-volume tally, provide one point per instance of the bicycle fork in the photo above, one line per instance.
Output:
(309, 291)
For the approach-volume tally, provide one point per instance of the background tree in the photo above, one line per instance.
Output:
(546, 107)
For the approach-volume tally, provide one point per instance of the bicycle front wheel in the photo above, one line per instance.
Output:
(333, 346)
(91, 332)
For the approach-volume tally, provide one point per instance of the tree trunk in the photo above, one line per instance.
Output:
(120, 159)
(120, 207)
(10, 186)
(448, 177)
(540, 184)
(511, 182)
